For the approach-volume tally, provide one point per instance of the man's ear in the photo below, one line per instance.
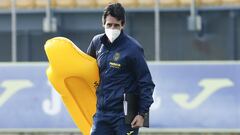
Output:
(103, 25)
(122, 26)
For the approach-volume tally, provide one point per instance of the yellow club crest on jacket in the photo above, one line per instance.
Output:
(74, 75)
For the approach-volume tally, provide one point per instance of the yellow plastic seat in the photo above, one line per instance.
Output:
(65, 3)
(43, 3)
(210, 2)
(5, 4)
(75, 76)
(129, 3)
(230, 2)
(146, 3)
(104, 3)
(86, 3)
(25, 3)
(169, 3)
(187, 3)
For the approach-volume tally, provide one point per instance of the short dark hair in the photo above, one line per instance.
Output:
(115, 10)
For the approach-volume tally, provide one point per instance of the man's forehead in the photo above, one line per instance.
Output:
(109, 18)
(107, 22)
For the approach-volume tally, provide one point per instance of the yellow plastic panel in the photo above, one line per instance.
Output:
(25, 3)
(104, 3)
(230, 2)
(129, 3)
(86, 3)
(169, 3)
(210, 2)
(66, 3)
(5, 4)
(43, 3)
(146, 3)
(75, 76)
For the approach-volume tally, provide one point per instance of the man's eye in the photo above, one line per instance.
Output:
(116, 25)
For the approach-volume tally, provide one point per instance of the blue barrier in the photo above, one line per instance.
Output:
(186, 96)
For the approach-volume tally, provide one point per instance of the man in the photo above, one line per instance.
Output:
(123, 69)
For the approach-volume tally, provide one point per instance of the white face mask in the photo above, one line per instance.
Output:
(112, 34)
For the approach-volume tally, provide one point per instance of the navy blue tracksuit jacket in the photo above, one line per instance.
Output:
(123, 69)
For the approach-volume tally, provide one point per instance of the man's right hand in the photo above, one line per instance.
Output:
(137, 121)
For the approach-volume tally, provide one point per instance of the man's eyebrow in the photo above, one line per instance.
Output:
(113, 23)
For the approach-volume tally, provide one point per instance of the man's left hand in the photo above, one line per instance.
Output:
(137, 121)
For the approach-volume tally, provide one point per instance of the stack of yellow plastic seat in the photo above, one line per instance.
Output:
(43, 3)
(169, 3)
(86, 3)
(104, 3)
(4, 4)
(231, 2)
(210, 2)
(187, 3)
(25, 4)
(146, 3)
(75, 76)
(65, 3)
(129, 3)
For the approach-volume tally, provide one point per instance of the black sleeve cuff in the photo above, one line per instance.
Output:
(142, 114)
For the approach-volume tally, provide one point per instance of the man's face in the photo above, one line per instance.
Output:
(113, 23)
